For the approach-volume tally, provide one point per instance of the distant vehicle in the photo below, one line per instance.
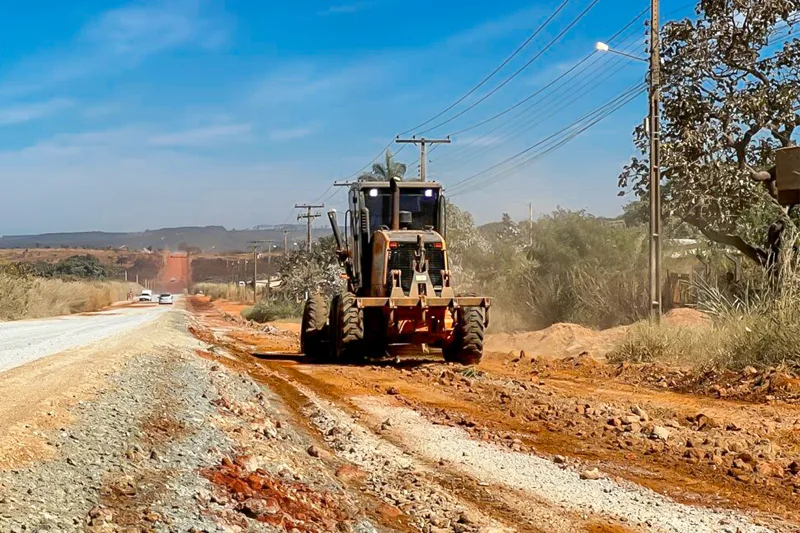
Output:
(146, 296)
(165, 299)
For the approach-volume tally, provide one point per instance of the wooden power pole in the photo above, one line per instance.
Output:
(423, 152)
(255, 244)
(655, 165)
(309, 216)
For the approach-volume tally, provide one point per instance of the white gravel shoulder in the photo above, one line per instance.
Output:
(27, 340)
(547, 481)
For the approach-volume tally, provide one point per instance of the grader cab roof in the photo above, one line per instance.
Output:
(361, 185)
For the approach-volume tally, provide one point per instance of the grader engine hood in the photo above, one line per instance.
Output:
(414, 262)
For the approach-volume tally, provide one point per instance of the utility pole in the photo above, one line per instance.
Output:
(423, 151)
(309, 216)
(655, 165)
(255, 244)
(269, 268)
(285, 243)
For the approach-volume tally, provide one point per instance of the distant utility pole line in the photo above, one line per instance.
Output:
(423, 151)
(309, 216)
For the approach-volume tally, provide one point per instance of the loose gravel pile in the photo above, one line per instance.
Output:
(132, 459)
(578, 491)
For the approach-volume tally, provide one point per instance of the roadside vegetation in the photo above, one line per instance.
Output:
(564, 267)
(271, 310)
(756, 325)
(26, 295)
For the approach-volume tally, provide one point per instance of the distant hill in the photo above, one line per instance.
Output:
(209, 239)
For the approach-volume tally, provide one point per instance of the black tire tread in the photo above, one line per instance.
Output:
(470, 331)
(347, 330)
(315, 317)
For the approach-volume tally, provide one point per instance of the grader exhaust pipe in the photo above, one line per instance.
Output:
(337, 234)
(395, 190)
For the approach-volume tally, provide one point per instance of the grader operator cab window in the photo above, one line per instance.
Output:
(420, 204)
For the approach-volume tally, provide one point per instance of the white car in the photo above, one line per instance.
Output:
(165, 299)
(146, 296)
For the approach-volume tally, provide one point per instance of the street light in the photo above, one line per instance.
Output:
(603, 47)
(654, 181)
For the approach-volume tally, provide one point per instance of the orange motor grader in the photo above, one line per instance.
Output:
(399, 288)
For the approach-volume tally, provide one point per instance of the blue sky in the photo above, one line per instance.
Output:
(126, 116)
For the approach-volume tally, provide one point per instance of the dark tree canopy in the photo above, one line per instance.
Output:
(731, 95)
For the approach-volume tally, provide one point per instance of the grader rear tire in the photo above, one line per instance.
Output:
(312, 328)
(467, 345)
(346, 329)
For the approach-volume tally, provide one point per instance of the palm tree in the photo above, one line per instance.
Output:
(386, 171)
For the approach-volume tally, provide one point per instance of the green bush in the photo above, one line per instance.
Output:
(758, 328)
(269, 311)
(565, 267)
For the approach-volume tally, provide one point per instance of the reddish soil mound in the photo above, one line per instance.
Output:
(684, 316)
(557, 340)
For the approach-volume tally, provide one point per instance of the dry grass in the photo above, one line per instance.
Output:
(221, 291)
(228, 291)
(37, 298)
(759, 328)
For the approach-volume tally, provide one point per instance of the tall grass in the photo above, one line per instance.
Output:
(22, 297)
(758, 327)
(271, 310)
(221, 291)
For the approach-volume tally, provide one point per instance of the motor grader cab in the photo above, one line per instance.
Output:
(399, 289)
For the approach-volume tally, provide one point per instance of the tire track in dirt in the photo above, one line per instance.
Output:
(343, 385)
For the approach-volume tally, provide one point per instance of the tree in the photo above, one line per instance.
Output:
(730, 90)
(386, 171)
(315, 272)
(81, 267)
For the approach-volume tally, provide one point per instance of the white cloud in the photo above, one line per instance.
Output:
(290, 134)
(298, 82)
(139, 30)
(119, 39)
(203, 136)
(520, 20)
(353, 7)
(100, 111)
(26, 112)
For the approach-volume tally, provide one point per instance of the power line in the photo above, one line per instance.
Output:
(589, 116)
(557, 79)
(489, 76)
(574, 94)
(519, 71)
(553, 147)
(495, 71)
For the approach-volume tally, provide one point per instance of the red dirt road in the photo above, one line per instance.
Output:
(698, 450)
(176, 274)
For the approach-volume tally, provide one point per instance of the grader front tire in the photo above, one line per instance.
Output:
(470, 330)
(347, 329)
(312, 327)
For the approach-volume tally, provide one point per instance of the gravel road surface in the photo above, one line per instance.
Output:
(27, 340)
